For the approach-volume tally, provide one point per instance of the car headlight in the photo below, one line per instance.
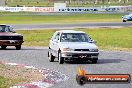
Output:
(68, 49)
(93, 50)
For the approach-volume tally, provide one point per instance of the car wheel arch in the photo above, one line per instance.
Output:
(48, 51)
(58, 52)
(61, 59)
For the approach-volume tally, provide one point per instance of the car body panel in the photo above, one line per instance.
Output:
(54, 48)
(78, 45)
(10, 42)
(9, 34)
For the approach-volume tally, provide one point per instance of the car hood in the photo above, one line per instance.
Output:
(127, 16)
(78, 45)
(9, 34)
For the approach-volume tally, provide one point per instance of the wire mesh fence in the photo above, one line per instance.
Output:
(70, 3)
(83, 3)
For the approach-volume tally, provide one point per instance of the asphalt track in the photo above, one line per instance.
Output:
(110, 62)
(70, 25)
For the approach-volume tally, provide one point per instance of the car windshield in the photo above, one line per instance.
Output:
(4, 28)
(74, 37)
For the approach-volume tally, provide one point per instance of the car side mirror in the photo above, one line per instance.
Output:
(93, 41)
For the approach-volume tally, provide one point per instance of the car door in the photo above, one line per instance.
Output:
(54, 44)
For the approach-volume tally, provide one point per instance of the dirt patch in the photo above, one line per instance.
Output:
(14, 72)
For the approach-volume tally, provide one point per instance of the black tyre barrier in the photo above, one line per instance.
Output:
(81, 80)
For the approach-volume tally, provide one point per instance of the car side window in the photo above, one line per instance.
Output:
(11, 29)
(53, 36)
(1, 29)
(56, 38)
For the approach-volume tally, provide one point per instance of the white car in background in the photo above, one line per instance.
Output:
(72, 45)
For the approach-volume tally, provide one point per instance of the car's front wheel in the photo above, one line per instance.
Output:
(51, 57)
(124, 20)
(61, 59)
(3, 47)
(18, 47)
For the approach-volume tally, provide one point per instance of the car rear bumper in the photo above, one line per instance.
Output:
(76, 54)
(11, 42)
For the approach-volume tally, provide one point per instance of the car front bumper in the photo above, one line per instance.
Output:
(11, 42)
(127, 19)
(124, 19)
(80, 54)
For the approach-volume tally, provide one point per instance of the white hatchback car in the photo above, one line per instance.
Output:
(72, 45)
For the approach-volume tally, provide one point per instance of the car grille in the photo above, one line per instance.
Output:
(79, 55)
(11, 37)
(81, 50)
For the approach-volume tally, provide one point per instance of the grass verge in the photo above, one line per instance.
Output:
(16, 18)
(107, 38)
(8, 82)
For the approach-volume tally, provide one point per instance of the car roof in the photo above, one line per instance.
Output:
(3, 25)
(70, 31)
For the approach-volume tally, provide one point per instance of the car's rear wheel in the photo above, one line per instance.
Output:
(18, 47)
(61, 59)
(51, 57)
(3, 47)
(94, 61)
